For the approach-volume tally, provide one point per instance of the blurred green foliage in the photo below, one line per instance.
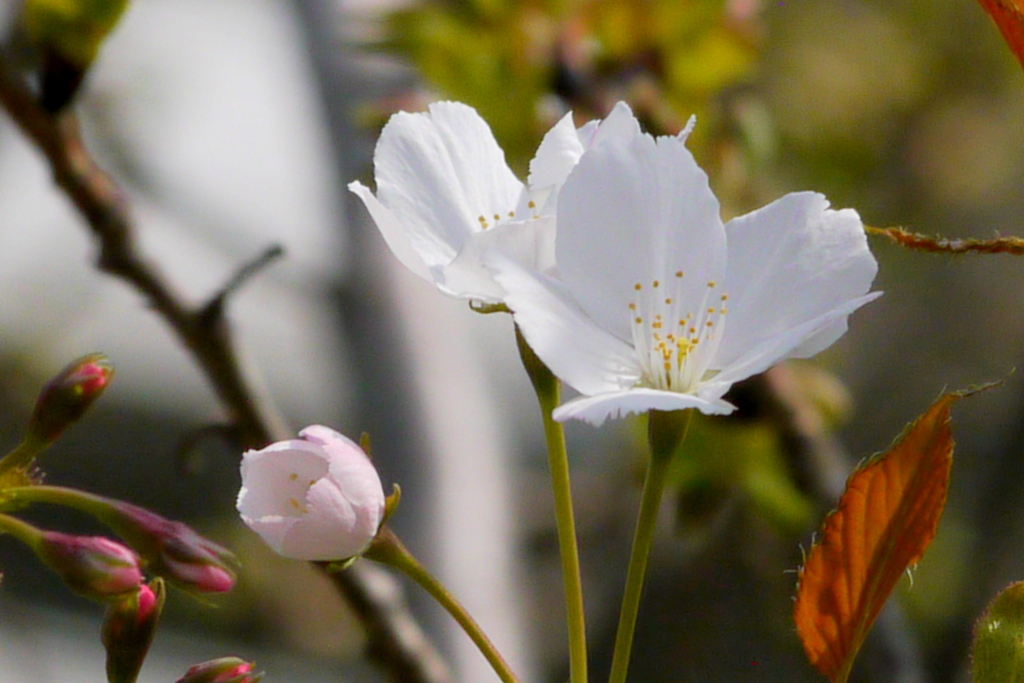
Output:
(721, 458)
(508, 59)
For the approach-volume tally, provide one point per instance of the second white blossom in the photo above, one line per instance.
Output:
(658, 304)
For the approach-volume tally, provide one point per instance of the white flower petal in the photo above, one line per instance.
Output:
(780, 347)
(691, 123)
(394, 234)
(631, 213)
(580, 353)
(558, 153)
(529, 243)
(791, 262)
(439, 173)
(620, 124)
(596, 409)
(564, 145)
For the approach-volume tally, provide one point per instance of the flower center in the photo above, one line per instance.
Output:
(297, 499)
(674, 339)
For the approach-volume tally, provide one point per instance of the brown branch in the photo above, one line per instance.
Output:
(944, 245)
(105, 209)
(395, 639)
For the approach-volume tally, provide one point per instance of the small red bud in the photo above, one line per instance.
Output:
(223, 670)
(128, 629)
(93, 566)
(66, 397)
(173, 550)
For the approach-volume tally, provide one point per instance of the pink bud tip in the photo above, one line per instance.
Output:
(147, 601)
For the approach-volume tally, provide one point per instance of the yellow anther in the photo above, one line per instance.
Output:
(531, 204)
(668, 302)
(293, 476)
(679, 273)
(656, 283)
(637, 287)
(711, 283)
(639, 320)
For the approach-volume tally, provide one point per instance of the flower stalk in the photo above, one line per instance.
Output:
(665, 433)
(388, 549)
(548, 390)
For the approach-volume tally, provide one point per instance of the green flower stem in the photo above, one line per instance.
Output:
(89, 503)
(388, 549)
(23, 454)
(665, 432)
(547, 388)
(26, 533)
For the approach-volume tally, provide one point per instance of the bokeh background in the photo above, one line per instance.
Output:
(234, 125)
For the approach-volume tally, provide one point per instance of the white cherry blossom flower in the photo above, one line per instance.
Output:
(658, 305)
(445, 195)
(317, 497)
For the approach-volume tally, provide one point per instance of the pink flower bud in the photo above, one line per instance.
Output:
(317, 497)
(66, 397)
(172, 549)
(128, 629)
(93, 566)
(223, 670)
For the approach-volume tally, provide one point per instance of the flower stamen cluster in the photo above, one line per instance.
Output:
(674, 340)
